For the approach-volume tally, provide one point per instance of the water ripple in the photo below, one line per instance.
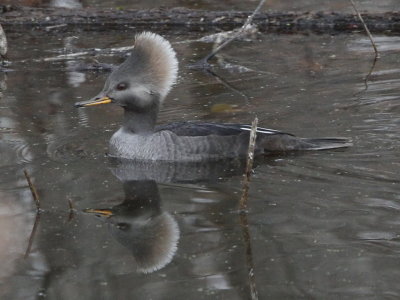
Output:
(383, 43)
(15, 151)
(65, 149)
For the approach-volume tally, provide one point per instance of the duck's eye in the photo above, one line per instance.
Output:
(121, 86)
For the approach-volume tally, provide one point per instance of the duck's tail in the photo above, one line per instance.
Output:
(327, 143)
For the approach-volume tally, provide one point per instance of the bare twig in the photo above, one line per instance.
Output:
(243, 214)
(366, 29)
(31, 237)
(33, 190)
(203, 63)
(249, 165)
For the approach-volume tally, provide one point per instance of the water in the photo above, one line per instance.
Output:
(322, 224)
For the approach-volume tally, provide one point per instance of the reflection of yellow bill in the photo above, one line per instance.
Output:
(103, 212)
(104, 100)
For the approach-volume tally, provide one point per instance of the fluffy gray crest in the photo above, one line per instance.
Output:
(152, 64)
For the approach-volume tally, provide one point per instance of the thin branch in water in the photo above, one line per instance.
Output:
(203, 63)
(33, 190)
(366, 79)
(366, 29)
(33, 232)
(37, 218)
(243, 214)
(370, 72)
(249, 165)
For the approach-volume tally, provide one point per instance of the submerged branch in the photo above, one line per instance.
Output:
(33, 190)
(32, 235)
(35, 196)
(227, 84)
(71, 210)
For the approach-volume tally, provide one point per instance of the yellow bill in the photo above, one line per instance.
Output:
(96, 101)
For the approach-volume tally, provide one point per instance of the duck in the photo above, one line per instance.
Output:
(140, 85)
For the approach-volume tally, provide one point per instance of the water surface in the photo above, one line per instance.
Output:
(321, 224)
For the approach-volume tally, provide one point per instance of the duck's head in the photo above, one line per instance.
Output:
(144, 79)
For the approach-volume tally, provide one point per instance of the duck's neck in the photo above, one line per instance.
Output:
(140, 121)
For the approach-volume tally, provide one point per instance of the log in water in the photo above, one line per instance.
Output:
(19, 18)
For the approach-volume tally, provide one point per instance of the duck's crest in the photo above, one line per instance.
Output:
(162, 64)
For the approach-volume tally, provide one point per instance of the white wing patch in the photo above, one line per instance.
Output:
(260, 129)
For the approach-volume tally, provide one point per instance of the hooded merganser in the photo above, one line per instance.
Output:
(140, 85)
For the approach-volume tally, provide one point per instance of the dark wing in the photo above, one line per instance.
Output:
(205, 129)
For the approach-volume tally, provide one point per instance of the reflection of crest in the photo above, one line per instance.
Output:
(140, 225)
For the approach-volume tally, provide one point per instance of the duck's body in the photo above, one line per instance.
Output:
(187, 141)
(140, 85)
(174, 145)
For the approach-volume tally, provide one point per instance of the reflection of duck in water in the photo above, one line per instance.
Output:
(141, 83)
(140, 225)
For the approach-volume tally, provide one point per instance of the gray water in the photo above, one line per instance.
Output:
(322, 225)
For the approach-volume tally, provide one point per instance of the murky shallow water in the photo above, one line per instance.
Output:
(322, 225)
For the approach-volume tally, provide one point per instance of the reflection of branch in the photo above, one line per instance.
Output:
(80, 55)
(34, 229)
(366, 29)
(203, 63)
(249, 255)
(71, 210)
(227, 84)
(33, 190)
(37, 218)
(249, 165)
